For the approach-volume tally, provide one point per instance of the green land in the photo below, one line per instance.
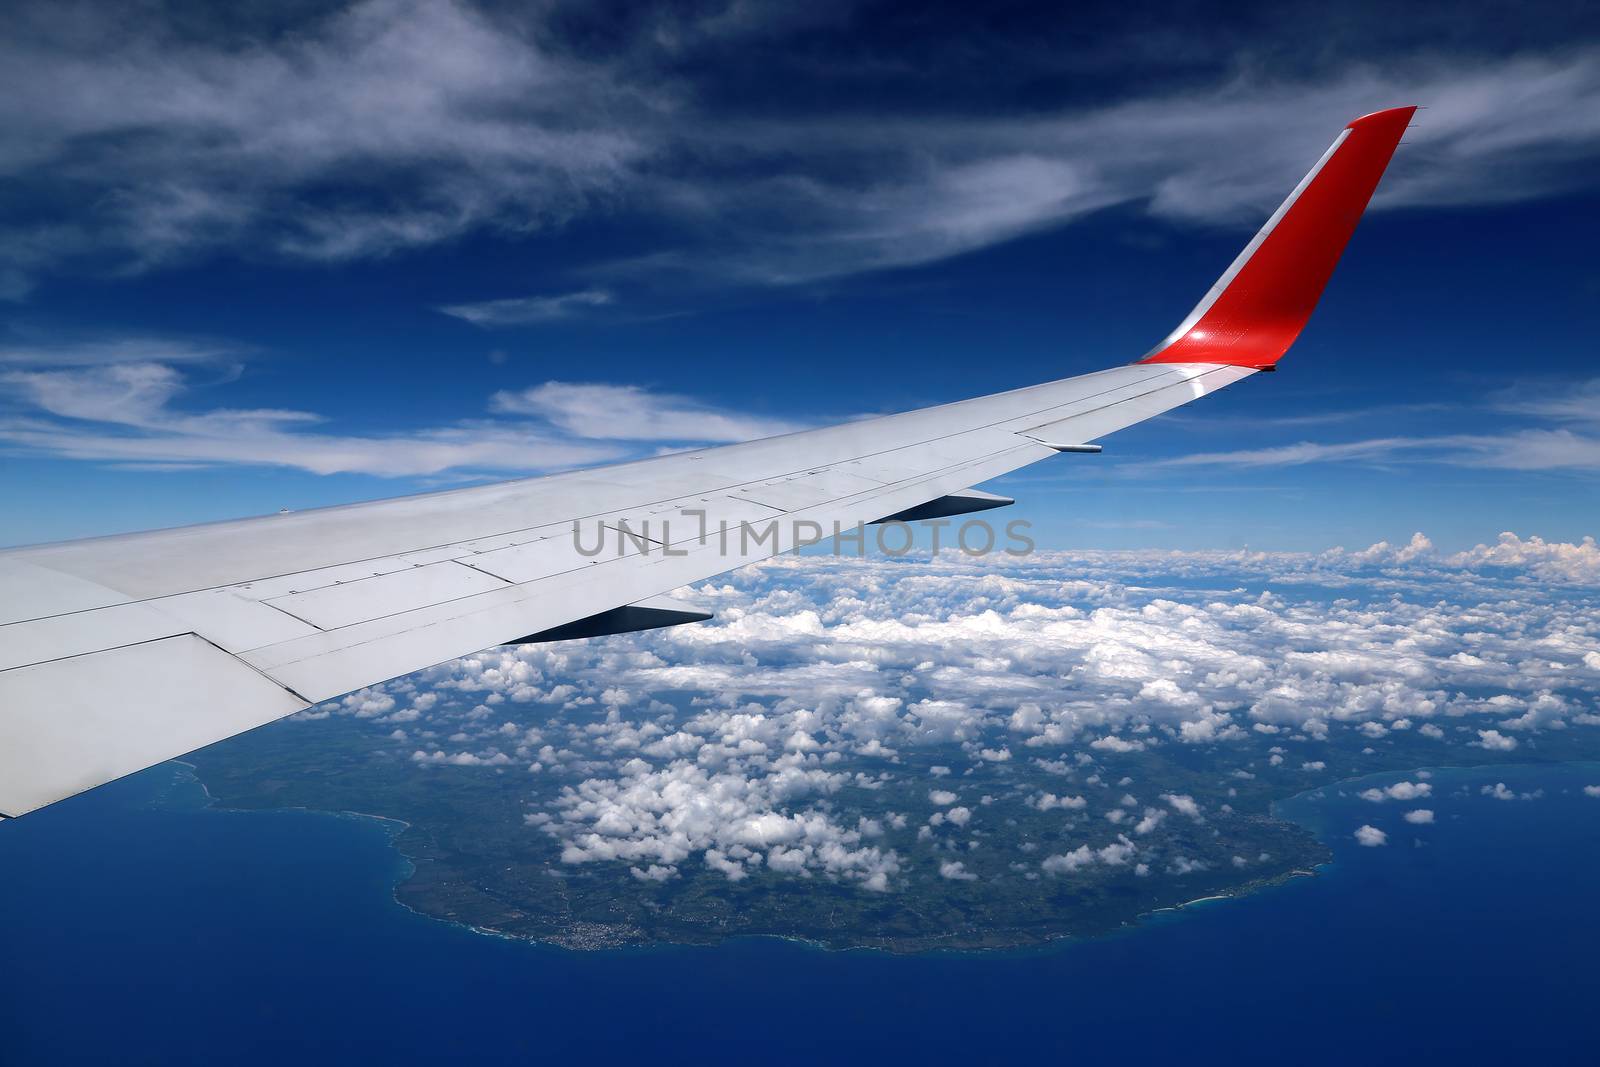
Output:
(476, 860)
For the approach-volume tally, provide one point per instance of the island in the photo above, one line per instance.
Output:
(987, 854)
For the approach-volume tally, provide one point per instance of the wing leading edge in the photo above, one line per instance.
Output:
(117, 653)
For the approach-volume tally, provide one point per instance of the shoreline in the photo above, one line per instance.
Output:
(1142, 921)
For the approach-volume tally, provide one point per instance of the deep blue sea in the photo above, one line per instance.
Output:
(139, 926)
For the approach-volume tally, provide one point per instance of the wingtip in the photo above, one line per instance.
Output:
(1388, 115)
(1258, 307)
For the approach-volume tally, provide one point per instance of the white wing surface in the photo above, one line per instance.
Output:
(117, 653)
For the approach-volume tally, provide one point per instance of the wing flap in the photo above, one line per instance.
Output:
(334, 606)
(71, 724)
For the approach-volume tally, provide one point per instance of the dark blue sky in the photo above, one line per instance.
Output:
(299, 254)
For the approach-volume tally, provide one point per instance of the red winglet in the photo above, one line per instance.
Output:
(1260, 305)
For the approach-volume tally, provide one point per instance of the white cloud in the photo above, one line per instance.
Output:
(1183, 805)
(810, 630)
(55, 354)
(1419, 816)
(1152, 818)
(1550, 560)
(525, 310)
(1051, 802)
(1524, 450)
(368, 703)
(1495, 741)
(956, 871)
(1398, 791)
(1371, 836)
(1591, 790)
(125, 412)
(666, 815)
(1116, 854)
(1066, 863)
(628, 412)
(1498, 791)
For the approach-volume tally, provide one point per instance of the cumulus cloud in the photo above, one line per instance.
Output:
(1151, 819)
(1371, 836)
(1549, 560)
(665, 816)
(1183, 805)
(1398, 791)
(1495, 741)
(1591, 790)
(956, 871)
(1419, 816)
(1051, 802)
(1067, 862)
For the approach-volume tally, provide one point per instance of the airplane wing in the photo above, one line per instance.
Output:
(119, 652)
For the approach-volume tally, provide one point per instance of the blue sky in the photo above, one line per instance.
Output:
(293, 255)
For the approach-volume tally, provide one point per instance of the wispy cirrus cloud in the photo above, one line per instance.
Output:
(135, 412)
(381, 125)
(1569, 402)
(1562, 413)
(525, 310)
(132, 142)
(629, 412)
(1524, 450)
(105, 351)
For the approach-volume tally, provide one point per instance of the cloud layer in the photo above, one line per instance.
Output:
(745, 743)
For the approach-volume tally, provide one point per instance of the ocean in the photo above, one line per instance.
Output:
(141, 926)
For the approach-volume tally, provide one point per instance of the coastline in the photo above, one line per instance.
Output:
(394, 828)
(162, 889)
